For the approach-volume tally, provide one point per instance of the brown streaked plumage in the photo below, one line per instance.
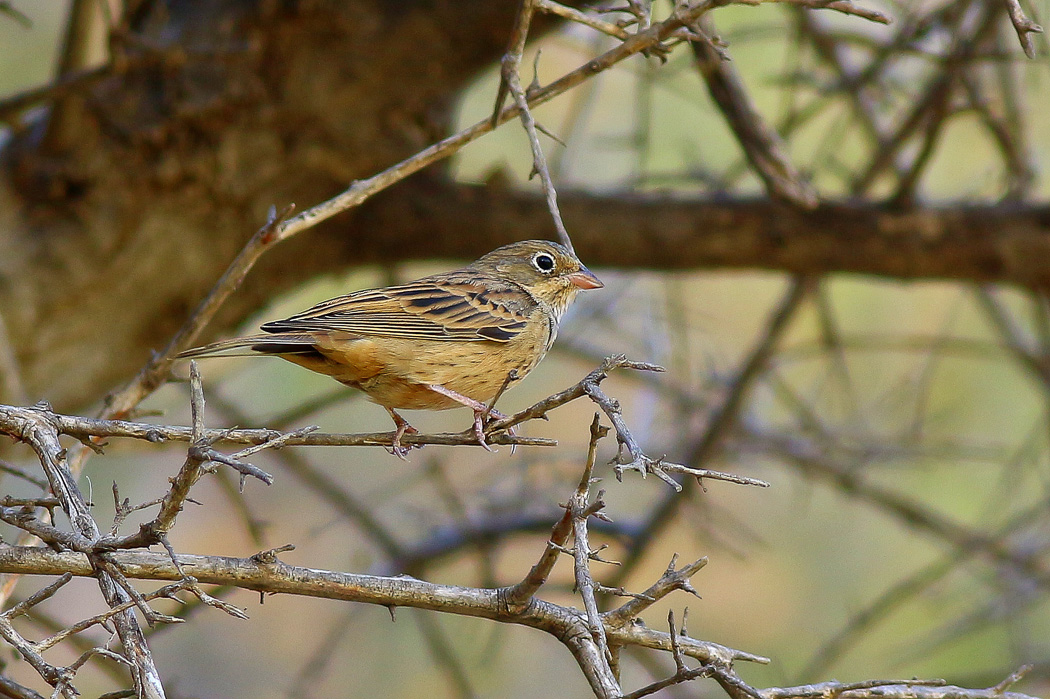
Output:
(439, 342)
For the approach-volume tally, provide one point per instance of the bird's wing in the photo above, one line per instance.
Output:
(464, 311)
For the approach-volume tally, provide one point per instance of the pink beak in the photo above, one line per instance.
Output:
(585, 279)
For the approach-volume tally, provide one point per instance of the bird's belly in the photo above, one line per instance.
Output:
(395, 372)
(474, 369)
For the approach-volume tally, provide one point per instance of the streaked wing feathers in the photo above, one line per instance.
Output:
(464, 311)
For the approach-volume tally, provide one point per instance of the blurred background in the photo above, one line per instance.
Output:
(902, 424)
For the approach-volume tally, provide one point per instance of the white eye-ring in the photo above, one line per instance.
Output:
(544, 262)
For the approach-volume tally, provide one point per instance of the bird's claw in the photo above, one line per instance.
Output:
(479, 430)
(395, 448)
(482, 418)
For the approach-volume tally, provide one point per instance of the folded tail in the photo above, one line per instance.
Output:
(253, 345)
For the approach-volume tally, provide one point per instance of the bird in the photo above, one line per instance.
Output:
(453, 339)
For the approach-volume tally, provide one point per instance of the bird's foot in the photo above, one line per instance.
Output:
(494, 414)
(403, 428)
(396, 449)
(479, 429)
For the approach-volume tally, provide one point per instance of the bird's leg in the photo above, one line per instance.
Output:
(403, 428)
(480, 410)
(512, 376)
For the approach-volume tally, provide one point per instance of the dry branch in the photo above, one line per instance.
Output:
(278, 577)
(84, 428)
(273, 576)
(1023, 26)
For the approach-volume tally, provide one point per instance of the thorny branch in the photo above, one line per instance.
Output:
(517, 603)
(34, 427)
(100, 549)
(269, 574)
(630, 456)
(600, 667)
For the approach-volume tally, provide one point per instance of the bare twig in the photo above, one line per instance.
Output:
(635, 458)
(25, 475)
(86, 428)
(599, 670)
(9, 10)
(574, 15)
(891, 689)
(724, 416)
(900, 593)
(1023, 26)
(10, 688)
(510, 82)
(848, 480)
(671, 580)
(843, 6)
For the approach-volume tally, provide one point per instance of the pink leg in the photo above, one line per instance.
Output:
(480, 410)
(403, 428)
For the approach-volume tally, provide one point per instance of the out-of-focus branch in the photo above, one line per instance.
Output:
(722, 419)
(86, 42)
(761, 144)
(1002, 243)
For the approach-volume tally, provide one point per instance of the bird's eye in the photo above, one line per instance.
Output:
(543, 261)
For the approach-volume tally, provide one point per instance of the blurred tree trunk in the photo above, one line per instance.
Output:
(113, 229)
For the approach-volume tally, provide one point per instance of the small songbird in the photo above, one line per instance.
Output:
(444, 341)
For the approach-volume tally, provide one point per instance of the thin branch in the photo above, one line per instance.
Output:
(887, 689)
(670, 581)
(851, 481)
(40, 434)
(25, 475)
(763, 147)
(844, 6)
(86, 428)
(1023, 26)
(574, 15)
(10, 688)
(724, 416)
(635, 459)
(510, 82)
(12, 12)
(598, 663)
(683, 675)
